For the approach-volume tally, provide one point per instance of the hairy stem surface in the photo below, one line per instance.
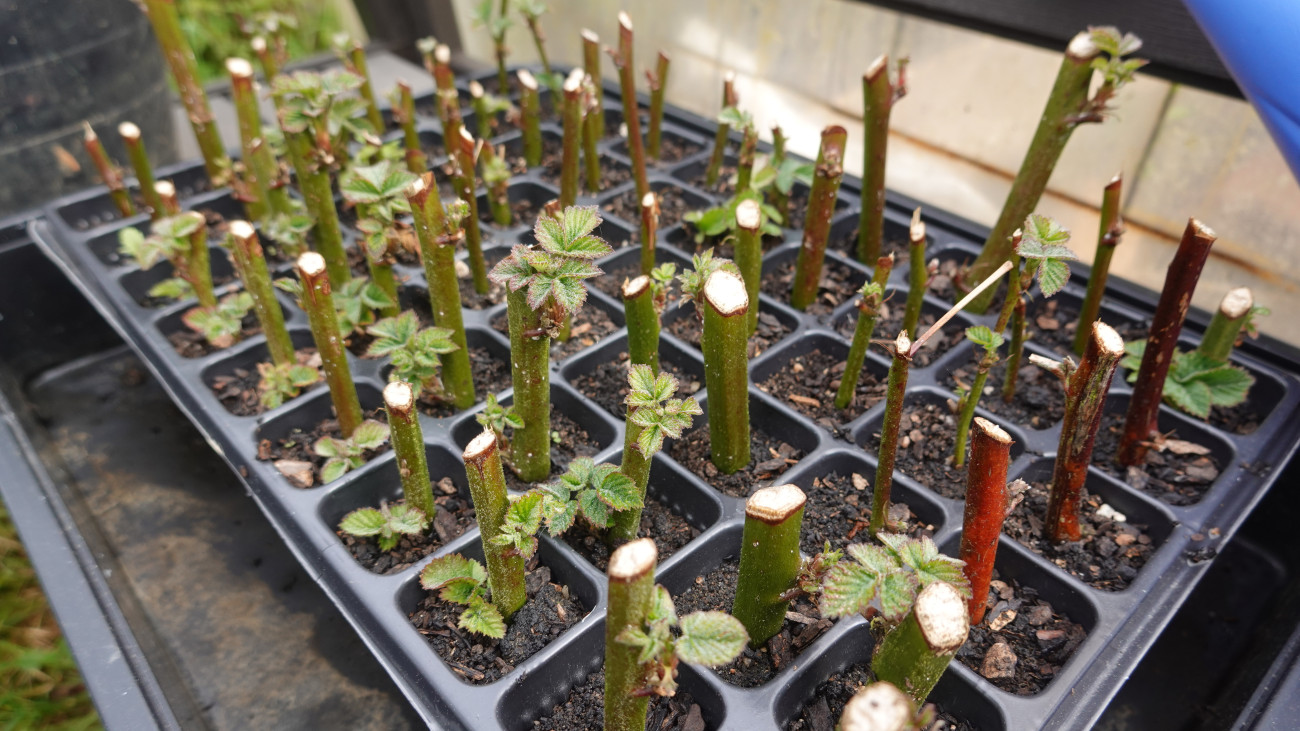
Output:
(324, 323)
(631, 591)
(246, 251)
(914, 654)
(642, 323)
(898, 372)
(408, 443)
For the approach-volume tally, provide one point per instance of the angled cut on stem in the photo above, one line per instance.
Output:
(1085, 398)
(631, 592)
(1068, 106)
(487, 488)
(324, 324)
(769, 559)
(1225, 327)
(1166, 324)
(246, 251)
(109, 173)
(872, 296)
(879, 95)
(918, 275)
(573, 94)
(749, 253)
(987, 504)
(649, 231)
(623, 60)
(438, 233)
(530, 113)
(408, 443)
(180, 59)
(729, 99)
(914, 655)
(1112, 231)
(658, 83)
(139, 158)
(726, 369)
(827, 175)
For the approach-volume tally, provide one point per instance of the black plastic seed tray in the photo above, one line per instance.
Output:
(80, 232)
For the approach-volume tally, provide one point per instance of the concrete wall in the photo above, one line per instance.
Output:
(959, 135)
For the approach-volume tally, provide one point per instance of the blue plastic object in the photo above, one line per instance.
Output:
(1259, 42)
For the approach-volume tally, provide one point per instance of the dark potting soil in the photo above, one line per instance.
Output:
(672, 206)
(926, 433)
(552, 156)
(1039, 401)
(523, 212)
(839, 509)
(809, 383)
(944, 285)
(725, 185)
(770, 330)
(590, 325)
(238, 390)
(191, 344)
(838, 285)
(769, 458)
(611, 282)
(611, 173)
(1021, 655)
(847, 244)
(890, 323)
(822, 710)
(672, 149)
(549, 612)
(472, 300)
(1177, 479)
(292, 454)
(108, 213)
(455, 515)
(1110, 553)
(574, 442)
(607, 385)
(716, 591)
(584, 708)
(491, 375)
(799, 208)
(669, 530)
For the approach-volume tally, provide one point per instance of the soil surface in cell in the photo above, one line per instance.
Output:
(523, 212)
(839, 510)
(470, 299)
(847, 245)
(769, 458)
(669, 530)
(685, 326)
(190, 344)
(672, 206)
(1039, 401)
(590, 324)
(491, 375)
(611, 173)
(238, 390)
(1053, 324)
(1023, 641)
(573, 442)
(890, 322)
(821, 712)
(1176, 471)
(716, 591)
(725, 184)
(809, 383)
(584, 708)
(1110, 553)
(455, 515)
(611, 282)
(606, 384)
(672, 149)
(551, 610)
(838, 284)
(926, 433)
(294, 457)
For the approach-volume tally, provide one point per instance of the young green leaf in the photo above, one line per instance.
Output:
(711, 638)
(982, 336)
(450, 569)
(923, 557)
(1195, 384)
(278, 384)
(1043, 241)
(523, 519)
(363, 522)
(483, 618)
(222, 324)
(349, 454)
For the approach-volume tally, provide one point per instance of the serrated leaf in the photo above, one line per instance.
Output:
(1040, 231)
(173, 288)
(363, 522)
(560, 515)
(984, 337)
(1052, 276)
(636, 637)
(593, 508)
(484, 619)
(301, 375)
(334, 468)
(1228, 385)
(370, 434)
(513, 271)
(710, 638)
(526, 512)
(848, 589)
(641, 381)
(662, 608)
(1193, 397)
(874, 558)
(897, 592)
(329, 447)
(408, 519)
(618, 490)
(441, 571)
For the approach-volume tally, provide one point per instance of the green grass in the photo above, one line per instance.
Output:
(40, 687)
